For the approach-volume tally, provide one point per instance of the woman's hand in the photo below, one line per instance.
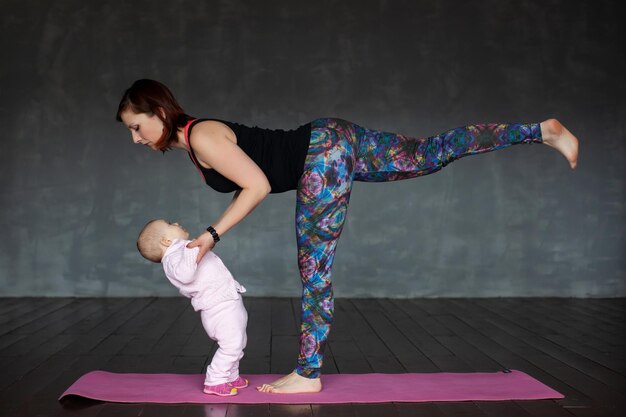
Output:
(205, 242)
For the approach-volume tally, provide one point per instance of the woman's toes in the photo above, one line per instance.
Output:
(265, 388)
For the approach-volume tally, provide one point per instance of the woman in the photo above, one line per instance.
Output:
(320, 160)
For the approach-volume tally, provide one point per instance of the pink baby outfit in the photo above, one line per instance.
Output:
(215, 293)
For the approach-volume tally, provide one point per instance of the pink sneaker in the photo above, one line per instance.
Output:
(239, 383)
(223, 390)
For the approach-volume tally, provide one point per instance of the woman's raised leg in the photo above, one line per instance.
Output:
(384, 156)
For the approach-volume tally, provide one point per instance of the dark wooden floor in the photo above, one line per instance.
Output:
(576, 346)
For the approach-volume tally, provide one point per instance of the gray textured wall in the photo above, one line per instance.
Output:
(517, 222)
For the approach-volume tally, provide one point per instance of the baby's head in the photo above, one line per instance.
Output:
(156, 236)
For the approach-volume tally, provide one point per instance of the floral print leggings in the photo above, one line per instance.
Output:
(341, 152)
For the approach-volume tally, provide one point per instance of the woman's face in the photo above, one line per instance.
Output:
(145, 129)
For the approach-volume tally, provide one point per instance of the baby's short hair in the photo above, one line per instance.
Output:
(148, 242)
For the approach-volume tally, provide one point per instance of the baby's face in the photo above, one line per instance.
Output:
(173, 231)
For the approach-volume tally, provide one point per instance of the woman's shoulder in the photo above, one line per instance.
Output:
(209, 125)
(208, 128)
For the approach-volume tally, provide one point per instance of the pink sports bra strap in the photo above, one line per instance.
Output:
(187, 131)
(191, 155)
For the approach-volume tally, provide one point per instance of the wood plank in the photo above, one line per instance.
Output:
(31, 310)
(423, 331)
(198, 342)
(8, 305)
(7, 340)
(179, 333)
(502, 408)
(606, 383)
(525, 358)
(480, 346)
(593, 412)
(480, 362)
(572, 337)
(160, 362)
(373, 348)
(458, 409)
(257, 353)
(248, 410)
(346, 357)
(120, 410)
(285, 336)
(444, 338)
(526, 328)
(41, 383)
(47, 323)
(333, 410)
(43, 400)
(598, 326)
(284, 354)
(602, 308)
(536, 336)
(418, 410)
(618, 305)
(568, 336)
(284, 322)
(291, 410)
(409, 356)
(375, 410)
(408, 317)
(152, 324)
(43, 342)
(167, 410)
(609, 360)
(202, 410)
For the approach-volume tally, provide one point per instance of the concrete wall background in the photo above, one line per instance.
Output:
(518, 222)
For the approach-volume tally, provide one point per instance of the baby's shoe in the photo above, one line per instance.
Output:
(223, 390)
(239, 383)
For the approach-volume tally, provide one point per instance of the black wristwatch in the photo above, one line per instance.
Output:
(216, 237)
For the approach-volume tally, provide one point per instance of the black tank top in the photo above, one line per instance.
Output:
(280, 154)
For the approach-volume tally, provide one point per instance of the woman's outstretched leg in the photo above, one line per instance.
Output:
(384, 156)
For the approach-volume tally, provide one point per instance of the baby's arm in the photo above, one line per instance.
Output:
(181, 265)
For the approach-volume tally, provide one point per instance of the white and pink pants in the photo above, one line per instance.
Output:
(225, 323)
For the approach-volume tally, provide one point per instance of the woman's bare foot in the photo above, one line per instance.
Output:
(554, 134)
(292, 384)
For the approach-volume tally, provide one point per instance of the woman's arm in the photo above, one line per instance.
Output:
(213, 147)
(230, 206)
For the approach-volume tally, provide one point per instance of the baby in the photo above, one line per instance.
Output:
(213, 291)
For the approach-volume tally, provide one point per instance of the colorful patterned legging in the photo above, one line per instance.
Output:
(341, 152)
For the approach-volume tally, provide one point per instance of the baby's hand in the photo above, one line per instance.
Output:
(205, 242)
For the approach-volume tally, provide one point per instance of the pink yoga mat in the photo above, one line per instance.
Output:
(338, 388)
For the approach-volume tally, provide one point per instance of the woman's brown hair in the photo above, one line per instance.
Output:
(153, 97)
